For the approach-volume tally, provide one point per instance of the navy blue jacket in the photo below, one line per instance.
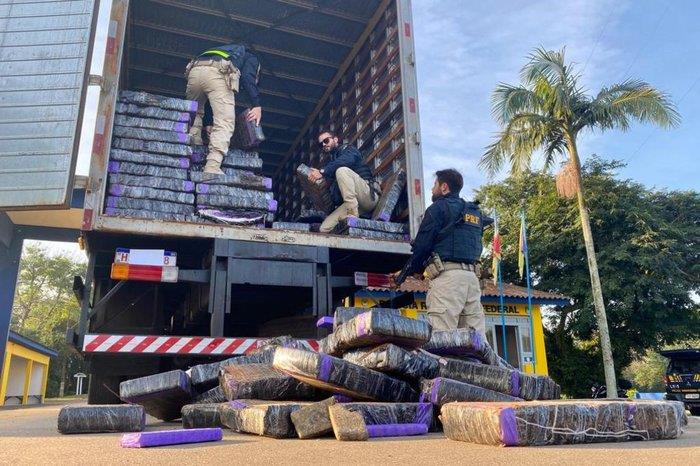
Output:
(247, 63)
(462, 244)
(344, 155)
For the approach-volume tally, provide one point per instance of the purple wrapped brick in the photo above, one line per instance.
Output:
(162, 438)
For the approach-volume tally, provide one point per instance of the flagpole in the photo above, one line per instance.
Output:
(526, 253)
(500, 293)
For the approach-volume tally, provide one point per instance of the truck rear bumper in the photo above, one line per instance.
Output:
(174, 345)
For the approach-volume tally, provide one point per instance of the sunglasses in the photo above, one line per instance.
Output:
(325, 141)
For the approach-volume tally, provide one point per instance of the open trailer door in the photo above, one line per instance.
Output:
(45, 54)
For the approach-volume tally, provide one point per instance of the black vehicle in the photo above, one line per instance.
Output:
(683, 378)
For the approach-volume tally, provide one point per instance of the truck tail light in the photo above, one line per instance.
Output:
(378, 280)
(144, 273)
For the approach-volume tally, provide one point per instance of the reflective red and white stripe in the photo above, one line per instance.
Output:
(152, 344)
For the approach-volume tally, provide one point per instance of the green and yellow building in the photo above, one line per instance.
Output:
(25, 371)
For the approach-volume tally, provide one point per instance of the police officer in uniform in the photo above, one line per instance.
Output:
(353, 189)
(215, 76)
(448, 246)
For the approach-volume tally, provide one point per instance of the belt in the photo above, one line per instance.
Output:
(460, 266)
(207, 61)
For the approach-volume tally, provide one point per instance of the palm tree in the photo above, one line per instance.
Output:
(546, 113)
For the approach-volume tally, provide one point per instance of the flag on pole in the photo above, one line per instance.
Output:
(496, 247)
(522, 246)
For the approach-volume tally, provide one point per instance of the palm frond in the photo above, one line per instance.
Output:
(508, 101)
(544, 63)
(614, 105)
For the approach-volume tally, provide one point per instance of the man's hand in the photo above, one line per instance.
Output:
(315, 175)
(255, 114)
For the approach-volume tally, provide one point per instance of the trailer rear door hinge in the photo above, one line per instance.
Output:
(416, 138)
(95, 80)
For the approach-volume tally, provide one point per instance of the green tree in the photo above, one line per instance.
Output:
(647, 242)
(548, 112)
(45, 307)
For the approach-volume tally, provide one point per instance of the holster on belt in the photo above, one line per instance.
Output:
(434, 267)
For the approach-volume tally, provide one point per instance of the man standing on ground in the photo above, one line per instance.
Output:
(215, 76)
(352, 190)
(448, 246)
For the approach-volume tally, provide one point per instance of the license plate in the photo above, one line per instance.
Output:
(692, 396)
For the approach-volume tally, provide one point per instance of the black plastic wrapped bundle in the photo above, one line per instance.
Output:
(162, 395)
(170, 184)
(225, 202)
(151, 215)
(241, 180)
(270, 419)
(285, 341)
(508, 381)
(232, 217)
(151, 135)
(291, 226)
(390, 197)
(124, 108)
(214, 395)
(560, 422)
(146, 170)
(317, 192)
(440, 391)
(310, 216)
(344, 314)
(204, 376)
(139, 192)
(198, 416)
(393, 413)
(462, 342)
(248, 134)
(222, 190)
(373, 234)
(148, 205)
(312, 421)
(101, 418)
(247, 163)
(149, 159)
(376, 225)
(351, 426)
(140, 145)
(263, 382)
(395, 361)
(150, 123)
(338, 376)
(374, 328)
(155, 100)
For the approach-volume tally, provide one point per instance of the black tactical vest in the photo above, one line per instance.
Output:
(461, 243)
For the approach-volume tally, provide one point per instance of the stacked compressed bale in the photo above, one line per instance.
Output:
(508, 381)
(377, 327)
(460, 343)
(248, 134)
(206, 376)
(376, 229)
(395, 361)
(344, 314)
(440, 391)
(312, 421)
(241, 197)
(149, 158)
(560, 422)
(390, 197)
(361, 421)
(264, 382)
(162, 395)
(269, 419)
(101, 418)
(213, 395)
(197, 416)
(338, 376)
(318, 192)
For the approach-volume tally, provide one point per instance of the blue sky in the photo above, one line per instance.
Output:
(464, 48)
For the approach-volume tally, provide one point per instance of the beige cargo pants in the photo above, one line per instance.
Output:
(357, 198)
(454, 301)
(209, 82)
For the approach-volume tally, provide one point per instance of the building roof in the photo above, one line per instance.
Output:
(513, 293)
(31, 344)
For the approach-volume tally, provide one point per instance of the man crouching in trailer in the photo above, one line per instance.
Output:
(352, 186)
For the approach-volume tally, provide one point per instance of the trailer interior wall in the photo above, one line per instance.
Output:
(336, 65)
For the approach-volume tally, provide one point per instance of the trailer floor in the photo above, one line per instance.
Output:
(28, 436)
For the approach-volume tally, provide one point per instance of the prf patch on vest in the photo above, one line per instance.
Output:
(473, 219)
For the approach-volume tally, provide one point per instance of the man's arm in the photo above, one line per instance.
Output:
(431, 225)
(249, 77)
(349, 156)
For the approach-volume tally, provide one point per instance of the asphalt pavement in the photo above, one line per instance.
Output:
(29, 436)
